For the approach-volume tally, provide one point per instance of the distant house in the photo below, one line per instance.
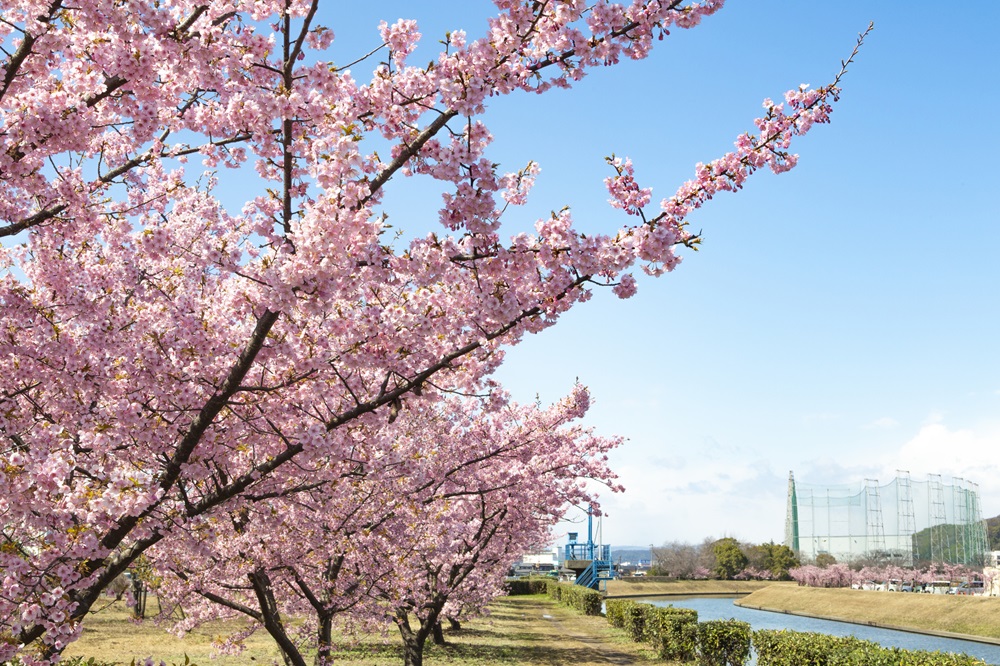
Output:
(541, 557)
(535, 563)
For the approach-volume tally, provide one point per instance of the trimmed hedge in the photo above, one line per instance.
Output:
(794, 648)
(614, 610)
(581, 598)
(635, 622)
(672, 631)
(723, 643)
(527, 586)
(676, 633)
(678, 636)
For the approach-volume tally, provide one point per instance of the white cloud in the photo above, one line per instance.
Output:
(966, 453)
(714, 491)
(935, 417)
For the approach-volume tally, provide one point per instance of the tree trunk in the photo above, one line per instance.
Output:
(261, 583)
(413, 653)
(438, 634)
(324, 636)
(413, 641)
(139, 595)
(454, 624)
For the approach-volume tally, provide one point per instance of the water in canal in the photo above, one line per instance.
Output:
(722, 608)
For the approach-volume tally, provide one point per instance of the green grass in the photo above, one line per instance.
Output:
(631, 587)
(528, 630)
(111, 635)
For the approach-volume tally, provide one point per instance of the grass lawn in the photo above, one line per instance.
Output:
(529, 630)
(972, 616)
(111, 635)
(633, 587)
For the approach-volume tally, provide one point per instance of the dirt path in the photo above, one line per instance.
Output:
(586, 648)
(540, 632)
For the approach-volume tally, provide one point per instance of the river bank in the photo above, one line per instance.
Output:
(965, 617)
(662, 587)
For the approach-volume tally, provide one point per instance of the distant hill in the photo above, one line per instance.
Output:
(631, 554)
(950, 541)
(993, 532)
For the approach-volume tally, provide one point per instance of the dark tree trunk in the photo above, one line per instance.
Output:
(414, 641)
(261, 583)
(139, 594)
(413, 653)
(324, 653)
(438, 634)
(454, 624)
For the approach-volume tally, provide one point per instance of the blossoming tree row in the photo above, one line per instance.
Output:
(842, 575)
(255, 391)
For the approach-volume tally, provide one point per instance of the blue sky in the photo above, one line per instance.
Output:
(840, 320)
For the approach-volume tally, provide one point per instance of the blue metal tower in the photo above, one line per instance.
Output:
(591, 562)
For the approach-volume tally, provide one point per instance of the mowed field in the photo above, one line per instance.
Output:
(967, 615)
(650, 587)
(111, 635)
(528, 630)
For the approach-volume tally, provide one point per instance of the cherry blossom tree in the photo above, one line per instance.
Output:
(428, 519)
(495, 512)
(841, 575)
(167, 360)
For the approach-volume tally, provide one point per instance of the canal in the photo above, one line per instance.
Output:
(722, 608)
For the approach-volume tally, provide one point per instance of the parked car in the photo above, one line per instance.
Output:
(974, 587)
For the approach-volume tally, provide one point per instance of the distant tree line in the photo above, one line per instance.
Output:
(725, 559)
(993, 532)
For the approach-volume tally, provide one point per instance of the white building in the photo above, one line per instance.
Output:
(540, 557)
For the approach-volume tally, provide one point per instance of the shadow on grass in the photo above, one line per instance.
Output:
(465, 635)
(507, 617)
(369, 651)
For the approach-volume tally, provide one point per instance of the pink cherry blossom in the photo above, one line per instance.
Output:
(180, 377)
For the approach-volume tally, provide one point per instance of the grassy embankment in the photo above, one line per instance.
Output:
(929, 613)
(528, 630)
(651, 587)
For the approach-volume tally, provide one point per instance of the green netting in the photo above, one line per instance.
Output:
(904, 521)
